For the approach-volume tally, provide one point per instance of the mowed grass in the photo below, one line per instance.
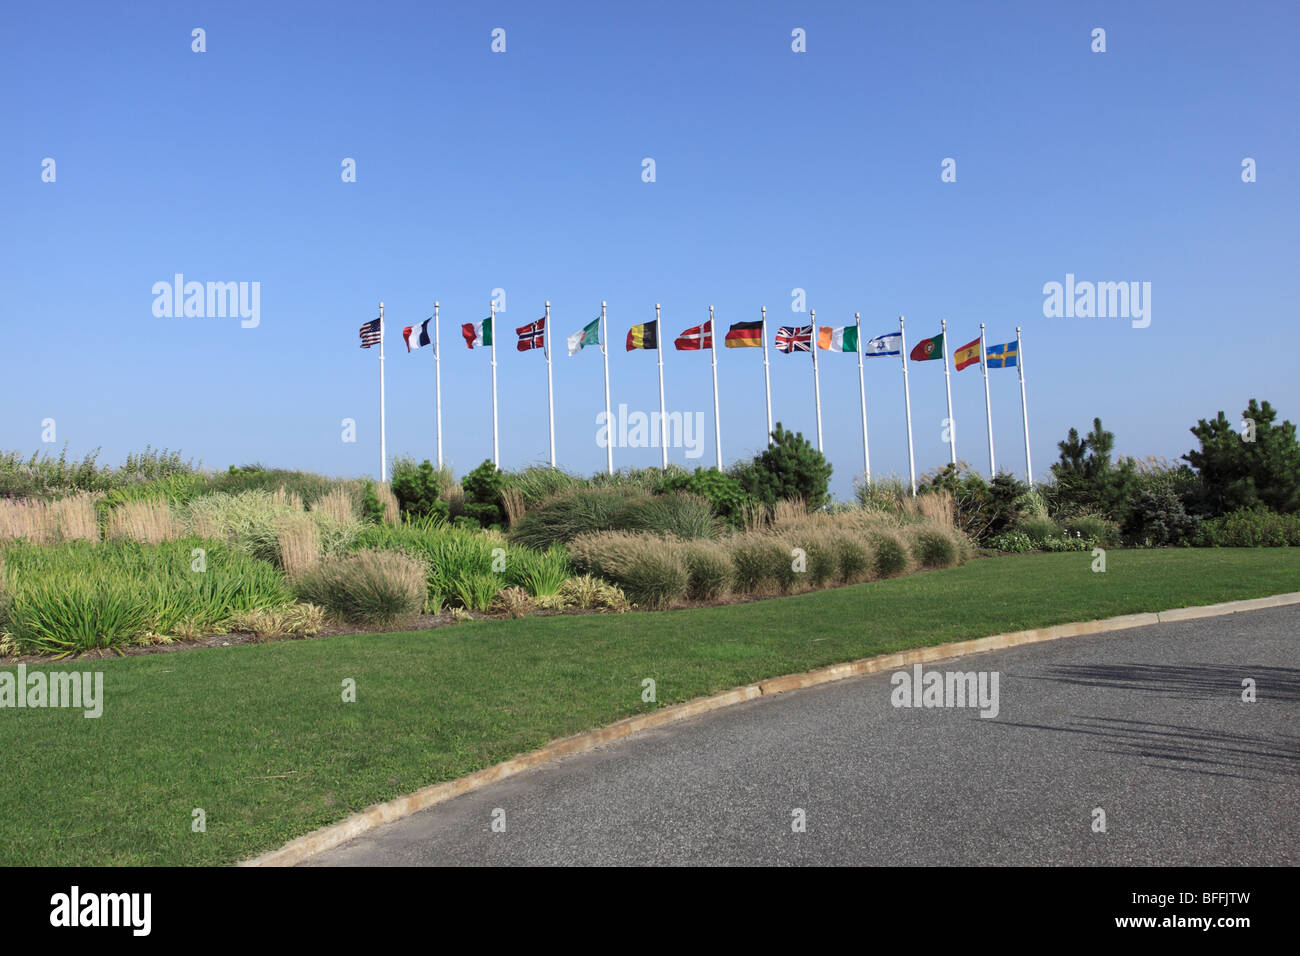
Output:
(259, 738)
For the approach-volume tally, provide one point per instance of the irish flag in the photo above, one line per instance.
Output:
(477, 333)
(841, 339)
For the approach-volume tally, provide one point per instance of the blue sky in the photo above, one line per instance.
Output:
(521, 170)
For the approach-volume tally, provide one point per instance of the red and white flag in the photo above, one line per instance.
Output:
(700, 337)
(532, 335)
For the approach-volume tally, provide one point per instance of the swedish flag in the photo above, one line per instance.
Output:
(1002, 356)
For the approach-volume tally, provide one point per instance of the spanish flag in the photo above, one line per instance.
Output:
(968, 354)
(644, 336)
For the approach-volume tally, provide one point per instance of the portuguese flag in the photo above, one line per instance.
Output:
(644, 336)
(744, 335)
(928, 349)
(477, 333)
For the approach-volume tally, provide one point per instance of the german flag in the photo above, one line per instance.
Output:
(644, 336)
(968, 354)
(744, 335)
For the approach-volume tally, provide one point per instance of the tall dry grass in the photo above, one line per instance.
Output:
(149, 522)
(298, 544)
(49, 522)
(392, 510)
(336, 504)
(512, 500)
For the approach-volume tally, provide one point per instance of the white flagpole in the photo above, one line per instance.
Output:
(550, 394)
(1024, 406)
(609, 425)
(907, 401)
(717, 419)
(383, 447)
(817, 381)
(437, 377)
(495, 452)
(988, 405)
(767, 377)
(947, 382)
(663, 411)
(862, 391)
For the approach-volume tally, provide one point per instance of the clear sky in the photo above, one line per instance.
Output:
(775, 170)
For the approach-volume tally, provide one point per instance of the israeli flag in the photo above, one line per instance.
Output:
(890, 344)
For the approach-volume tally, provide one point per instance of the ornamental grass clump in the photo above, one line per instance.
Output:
(651, 570)
(366, 587)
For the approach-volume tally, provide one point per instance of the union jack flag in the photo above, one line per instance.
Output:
(532, 335)
(790, 338)
(370, 333)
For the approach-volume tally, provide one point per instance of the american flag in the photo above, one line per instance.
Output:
(794, 339)
(370, 333)
(532, 335)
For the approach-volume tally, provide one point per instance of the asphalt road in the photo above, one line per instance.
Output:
(1147, 724)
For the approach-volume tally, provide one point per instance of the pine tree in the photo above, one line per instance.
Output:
(1258, 466)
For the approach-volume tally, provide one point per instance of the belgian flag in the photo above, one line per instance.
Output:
(644, 336)
(744, 335)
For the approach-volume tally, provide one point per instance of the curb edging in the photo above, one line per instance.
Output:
(333, 835)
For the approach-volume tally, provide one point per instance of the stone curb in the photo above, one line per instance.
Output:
(328, 837)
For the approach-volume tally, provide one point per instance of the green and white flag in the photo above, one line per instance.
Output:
(843, 338)
(590, 335)
(477, 333)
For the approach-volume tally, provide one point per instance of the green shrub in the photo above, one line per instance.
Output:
(483, 487)
(1251, 528)
(366, 587)
(473, 590)
(541, 574)
(451, 556)
(789, 468)
(1092, 528)
(680, 515)
(419, 488)
(80, 596)
(1014, 542)
(759, 560)
(1038, 530)
(933, 548)
(1236, 473)
(853, 557)
(651, 570)
(1157, 520)
(708, 568)
(890, 555)
(822, 558)
(569, 514)
(536, 484)
(254, 478)
(590, 592)
(723, 492)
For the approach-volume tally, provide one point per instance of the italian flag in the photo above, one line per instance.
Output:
(477, 333)
(841, 339)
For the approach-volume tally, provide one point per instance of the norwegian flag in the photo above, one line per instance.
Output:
(532, 335)
(790, 338)
(700, 337)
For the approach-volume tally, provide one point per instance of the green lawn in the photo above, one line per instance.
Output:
(258, 736)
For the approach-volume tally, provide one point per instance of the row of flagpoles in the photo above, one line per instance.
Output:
(789, 339)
